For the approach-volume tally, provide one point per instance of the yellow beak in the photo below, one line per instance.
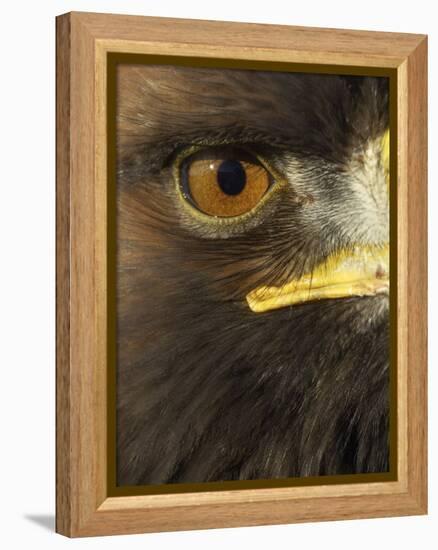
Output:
(360, 272)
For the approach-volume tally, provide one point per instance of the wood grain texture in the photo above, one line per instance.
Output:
(63, 409)
(83, 41)
(401, 191)
(224, 39)
(417, 274)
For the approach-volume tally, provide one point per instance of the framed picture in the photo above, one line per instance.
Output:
(241, 274)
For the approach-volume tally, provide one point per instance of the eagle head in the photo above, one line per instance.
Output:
(252, 274)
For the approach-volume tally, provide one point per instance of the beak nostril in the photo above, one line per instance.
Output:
(381, 272)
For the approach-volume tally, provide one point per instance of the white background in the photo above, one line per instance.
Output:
(27, 254)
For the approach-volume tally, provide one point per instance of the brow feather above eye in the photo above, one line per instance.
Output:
(145, 157)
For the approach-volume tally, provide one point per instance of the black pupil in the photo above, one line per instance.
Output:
(231, 177)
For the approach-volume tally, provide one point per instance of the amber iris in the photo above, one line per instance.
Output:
(224, 184)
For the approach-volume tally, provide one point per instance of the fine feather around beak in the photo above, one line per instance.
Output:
(361, 271)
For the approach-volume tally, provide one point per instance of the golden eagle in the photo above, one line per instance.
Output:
(252, 274)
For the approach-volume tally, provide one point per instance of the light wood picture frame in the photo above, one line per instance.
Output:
(87, 47)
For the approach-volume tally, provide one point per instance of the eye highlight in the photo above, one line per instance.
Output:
(223, 183)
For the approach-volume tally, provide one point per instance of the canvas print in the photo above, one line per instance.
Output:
(252, 274)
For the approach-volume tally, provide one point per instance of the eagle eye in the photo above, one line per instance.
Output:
(223, 182)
